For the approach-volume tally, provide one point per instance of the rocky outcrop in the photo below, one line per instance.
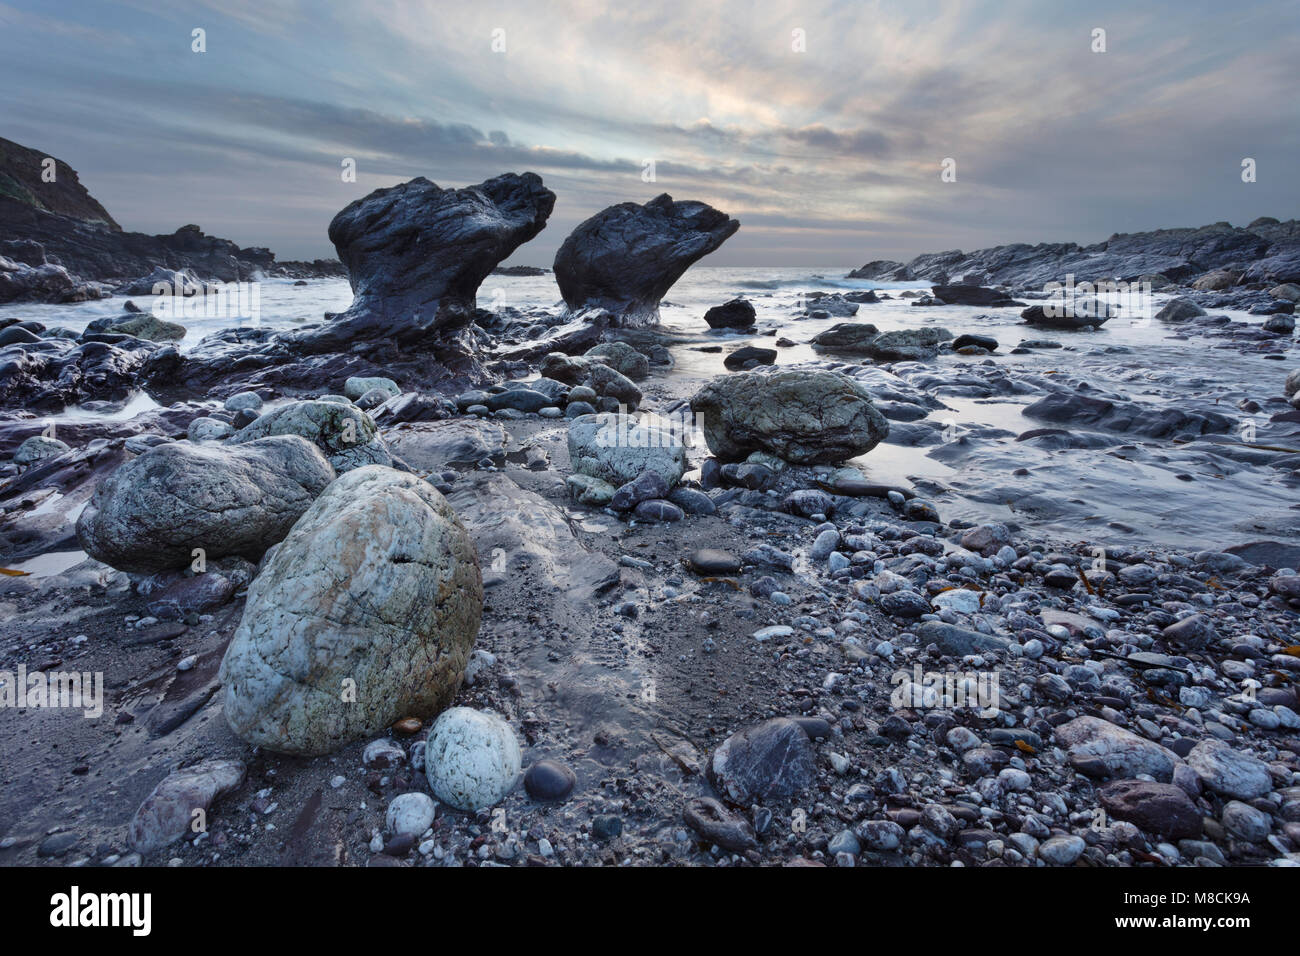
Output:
(73, 231)
(416, 254)
(52, 373)
(23, 178)
(365, 613)
(801, 416)
(1268, 250)
(155, 510)
(626, 257)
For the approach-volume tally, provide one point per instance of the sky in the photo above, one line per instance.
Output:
(822, 126)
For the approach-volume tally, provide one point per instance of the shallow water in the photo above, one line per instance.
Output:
(1129, 493)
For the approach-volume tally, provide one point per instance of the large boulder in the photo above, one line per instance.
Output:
(802, 416)
(736, 314)
(626, 257)
(155, 510)
(1180, 310)
(416, 255)
(907, 345)
(618, 448)
(345, 433)
(364, 614)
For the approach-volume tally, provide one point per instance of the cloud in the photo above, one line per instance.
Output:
(827, 155)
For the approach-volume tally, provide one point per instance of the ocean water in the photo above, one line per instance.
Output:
(1135, 490)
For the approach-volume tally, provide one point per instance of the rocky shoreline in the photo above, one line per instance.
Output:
(426, 584)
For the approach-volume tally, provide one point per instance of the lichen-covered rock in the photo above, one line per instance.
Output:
(37, 449)
(471, 758)
(801, 416)
(345, 433)
(366, 613)
(150, 328)
(626, 257)
(622, 358)
(618, 448)
(156, 509)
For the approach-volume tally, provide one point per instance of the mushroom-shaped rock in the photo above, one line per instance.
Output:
(364, 614)
(626, 257)
(416, 254)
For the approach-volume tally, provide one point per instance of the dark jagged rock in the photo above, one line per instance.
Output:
(736, 314)
(626, 257)
(51, 374)
(416, 255)
(1061, 316)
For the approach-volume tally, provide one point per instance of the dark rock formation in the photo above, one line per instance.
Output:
(626, 257)
(973, 295)
(736, 314)
(1267, 249)
(416, 255)
(22, 179)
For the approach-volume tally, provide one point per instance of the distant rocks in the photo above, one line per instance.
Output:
(152, 512)
(626, 257)
(471, 758)
(364, 614)
(801, 416)
(1271, 248)
(736, 314)
(973, 295)
(47, 282)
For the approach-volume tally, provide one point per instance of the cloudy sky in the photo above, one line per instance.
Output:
(821, 126)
